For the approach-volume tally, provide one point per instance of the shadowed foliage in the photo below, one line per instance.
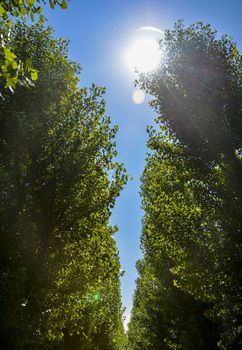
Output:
(191, 192)
(59, 180)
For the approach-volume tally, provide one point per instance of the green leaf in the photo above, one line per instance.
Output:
(64, 5)
(30, 2)
(41, 19)
(9, 55)
(39, 10)
(28, 64)
(14, 65)
(52, 5)
(34, 75)
(23, 11)
(11, 82)
(4, 68)
(2, 10)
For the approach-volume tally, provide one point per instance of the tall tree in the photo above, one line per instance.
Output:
(192, 184)
(163, 316)
(59, 180)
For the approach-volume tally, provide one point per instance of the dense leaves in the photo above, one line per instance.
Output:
(192, 190)
(59, 180)
(12, 69)
(163, 316)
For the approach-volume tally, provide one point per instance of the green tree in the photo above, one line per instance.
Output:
(192, 183)
(59, 180)
(164, 317)
(13, 70)
(197, 93)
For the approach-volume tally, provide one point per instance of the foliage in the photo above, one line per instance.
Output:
(13, 70)
(192, 184)
(164, 317)
(59, 180)
(197, 92)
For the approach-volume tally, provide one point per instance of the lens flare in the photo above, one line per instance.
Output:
(138, 96)
(144, 55)
(94, 297)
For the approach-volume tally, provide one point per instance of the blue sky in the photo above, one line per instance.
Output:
(99, 33)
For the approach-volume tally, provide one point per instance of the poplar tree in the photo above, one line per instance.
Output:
(59, 180)
(192, 183)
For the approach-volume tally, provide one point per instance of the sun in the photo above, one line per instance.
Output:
(144, 54)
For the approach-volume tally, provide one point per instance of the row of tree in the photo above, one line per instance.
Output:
(60, 271)
(189, 291)
(59, 266)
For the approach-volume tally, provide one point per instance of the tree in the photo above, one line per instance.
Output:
(197, 94)
(164, 317)
(192, 183)
(59, 263)
(14, 70)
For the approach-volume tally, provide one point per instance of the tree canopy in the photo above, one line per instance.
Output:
(59, 263)
(13, 70)
(191, 192)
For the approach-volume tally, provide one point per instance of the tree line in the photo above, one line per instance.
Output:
(188, 293)
(60, 270)
(59, 264)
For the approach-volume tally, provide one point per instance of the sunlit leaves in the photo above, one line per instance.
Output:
(14, 72)
(57, 149)
(192, 184)
(63, 4)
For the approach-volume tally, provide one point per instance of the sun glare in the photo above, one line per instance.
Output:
(144, 53)
(138, 96)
